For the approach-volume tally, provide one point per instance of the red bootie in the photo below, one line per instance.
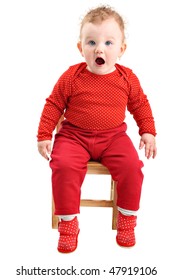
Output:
(125, 230)
(68, 238)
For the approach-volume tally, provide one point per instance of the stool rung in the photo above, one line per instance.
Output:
(96, 203)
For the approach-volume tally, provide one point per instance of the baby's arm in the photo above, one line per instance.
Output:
(44, 148)
(148, 140)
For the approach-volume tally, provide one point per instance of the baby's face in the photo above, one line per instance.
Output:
(101, 44)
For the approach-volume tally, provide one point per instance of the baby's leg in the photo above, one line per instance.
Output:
(69, 165)
(124, 165)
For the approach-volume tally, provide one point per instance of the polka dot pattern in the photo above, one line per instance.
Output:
(68, 238)
(96, 102)
(125, 230)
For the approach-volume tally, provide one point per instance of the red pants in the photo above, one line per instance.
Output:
(74, 147)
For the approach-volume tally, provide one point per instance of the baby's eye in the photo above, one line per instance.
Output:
(91, 43)
(108, 43)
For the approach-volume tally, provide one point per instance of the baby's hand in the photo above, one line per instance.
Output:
(148, 140)
(44, 148)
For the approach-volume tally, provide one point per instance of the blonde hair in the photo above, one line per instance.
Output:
(101, 13)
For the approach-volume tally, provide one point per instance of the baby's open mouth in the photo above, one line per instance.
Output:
(99, 60)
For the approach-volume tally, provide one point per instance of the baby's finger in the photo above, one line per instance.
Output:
(141, 144)
(154, 152)
(148, 151)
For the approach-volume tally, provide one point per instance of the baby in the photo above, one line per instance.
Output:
(93, 96)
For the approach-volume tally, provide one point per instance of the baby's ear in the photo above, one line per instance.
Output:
(79, 46)
(123, 49)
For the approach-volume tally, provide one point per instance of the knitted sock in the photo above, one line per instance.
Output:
(127, 212)
(68, 238)
(67, 217)
(125, 230)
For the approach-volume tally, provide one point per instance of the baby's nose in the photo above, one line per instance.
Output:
(99, 49)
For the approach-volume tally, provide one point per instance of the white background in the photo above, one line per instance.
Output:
(38, 43)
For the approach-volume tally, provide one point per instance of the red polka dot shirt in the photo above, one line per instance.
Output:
(96, 102)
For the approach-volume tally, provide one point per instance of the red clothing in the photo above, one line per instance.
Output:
(96, 102)
(74, 147)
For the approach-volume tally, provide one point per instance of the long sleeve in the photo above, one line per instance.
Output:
(54, 107)
(138, 105)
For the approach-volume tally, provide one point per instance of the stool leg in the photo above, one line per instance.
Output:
(114, 208)
(55, 219)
